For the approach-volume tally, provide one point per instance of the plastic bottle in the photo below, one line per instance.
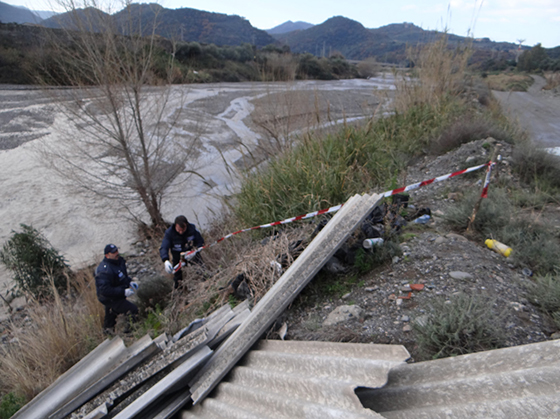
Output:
(422, 220)
(498, 247)
(369, 243)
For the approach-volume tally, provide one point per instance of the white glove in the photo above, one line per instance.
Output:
(134, 286)
(168, 267)
(128, 292)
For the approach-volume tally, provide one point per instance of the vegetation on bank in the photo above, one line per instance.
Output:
(434, 112)
(25, 53)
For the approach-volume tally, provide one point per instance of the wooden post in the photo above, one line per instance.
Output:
(482, 194)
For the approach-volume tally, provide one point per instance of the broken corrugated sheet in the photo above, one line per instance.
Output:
(90, 369)
(517, 382)
(171, 358)
(172, 379)
(284, 291)
(136, 353)
(289, 379)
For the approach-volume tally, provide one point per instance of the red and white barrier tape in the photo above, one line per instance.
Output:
(418, 185)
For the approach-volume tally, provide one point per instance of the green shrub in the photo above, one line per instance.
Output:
(34, 262)
(495, 211)
(325, 171)
(544, 292)
(534, 245)
(538, 168)
(466, 129)
(461, 325)
(154, 293)
(366, 260)
(10, 404)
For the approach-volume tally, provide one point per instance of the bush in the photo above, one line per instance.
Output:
(34, 262)
(495, 212)
(538, 168)
(154, 294)
(544, 292)
(10, 404)
(461, 325)
(466, 129)
(534, 245)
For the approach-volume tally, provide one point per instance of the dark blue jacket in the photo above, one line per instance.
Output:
(111, 279)
(178, 243)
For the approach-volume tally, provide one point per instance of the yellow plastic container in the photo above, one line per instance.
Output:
(498, 247)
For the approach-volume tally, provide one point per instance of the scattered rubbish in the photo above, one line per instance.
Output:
(527, 272)
(405, 297)
(392, 297)
(276, 266)
(416, 287)
(422, 220)
(369, 243)
(283, 330)
(498, 247)
(406, 288)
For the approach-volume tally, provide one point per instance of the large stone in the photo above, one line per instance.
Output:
(343, 314)
(460, 275)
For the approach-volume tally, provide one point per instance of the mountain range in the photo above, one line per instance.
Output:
(336, 35)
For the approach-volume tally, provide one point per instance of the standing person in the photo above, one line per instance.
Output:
(182, 236)
(113, 287)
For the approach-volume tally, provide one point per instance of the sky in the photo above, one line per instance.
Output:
(533, 21)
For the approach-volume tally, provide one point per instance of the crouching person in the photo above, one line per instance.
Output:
(113, 287)
(182, 236)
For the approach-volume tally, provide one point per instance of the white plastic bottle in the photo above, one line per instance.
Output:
(369, 243)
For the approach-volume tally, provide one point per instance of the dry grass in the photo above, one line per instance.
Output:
(255, 259)
(61, 333)
(439, 71)
(278, 67)
(552, 80)
(509, 82)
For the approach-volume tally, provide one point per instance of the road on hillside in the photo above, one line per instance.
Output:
(537, 111)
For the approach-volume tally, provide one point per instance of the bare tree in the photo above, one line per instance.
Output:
(125, 143)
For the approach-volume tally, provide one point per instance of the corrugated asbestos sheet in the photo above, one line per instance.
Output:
(301, 380)
(317, 380)
(282, 293)
(518, 382)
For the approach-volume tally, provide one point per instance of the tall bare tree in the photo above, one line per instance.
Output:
(125, 143)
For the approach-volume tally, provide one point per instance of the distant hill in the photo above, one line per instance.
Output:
(289, 26)
(387, 43)
(185, 25)
(335, 34)
(13, 14)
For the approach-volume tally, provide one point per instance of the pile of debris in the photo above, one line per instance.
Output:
(149, 377)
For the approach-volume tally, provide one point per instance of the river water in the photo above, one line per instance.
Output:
(224, 116)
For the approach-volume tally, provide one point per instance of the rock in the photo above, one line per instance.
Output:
(405, 318)
(457, 237)
(555, 335)
(407, 328)
(342, 314)
(460, 275)
(346, 296)
(440, 240)
(371, 289)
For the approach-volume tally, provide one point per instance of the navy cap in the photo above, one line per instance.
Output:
(111, 248)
